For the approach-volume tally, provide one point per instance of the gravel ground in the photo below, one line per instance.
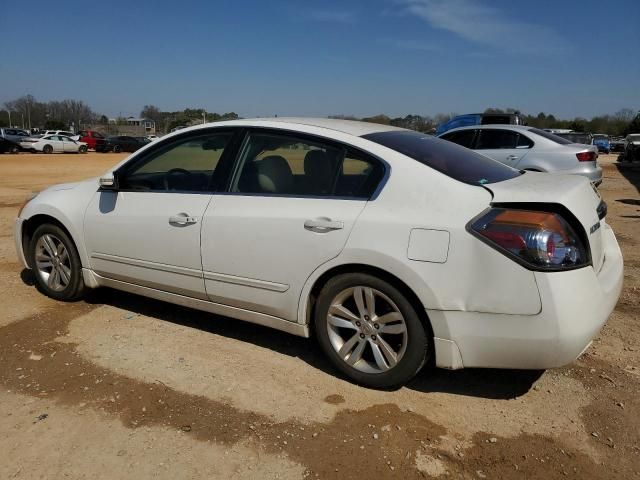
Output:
(119, 386)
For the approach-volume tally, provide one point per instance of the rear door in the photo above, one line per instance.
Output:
(290, 208)
(505, 146)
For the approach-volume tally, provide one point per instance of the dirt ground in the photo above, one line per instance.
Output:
(119, 386)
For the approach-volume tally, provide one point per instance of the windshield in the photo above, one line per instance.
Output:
(446, 157)
(600, 136)
(634, 138)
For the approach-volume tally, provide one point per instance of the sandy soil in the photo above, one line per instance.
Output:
(119, 386)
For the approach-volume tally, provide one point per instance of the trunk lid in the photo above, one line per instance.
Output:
(572, 191)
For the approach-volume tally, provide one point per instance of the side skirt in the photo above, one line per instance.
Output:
(211, 307)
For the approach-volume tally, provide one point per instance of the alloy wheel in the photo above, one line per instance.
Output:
(367, 329)
(53, 262)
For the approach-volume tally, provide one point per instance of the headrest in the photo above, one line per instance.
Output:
(274, 174)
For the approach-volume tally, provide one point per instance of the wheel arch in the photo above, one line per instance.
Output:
(32, 223)
(310, 298)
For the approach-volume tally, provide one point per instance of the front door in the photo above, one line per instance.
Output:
(505, 146)
(148, 231)
(291, 207)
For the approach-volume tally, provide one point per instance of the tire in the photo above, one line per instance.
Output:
(360, 362)
(117, 149)
(45, 252)
(47, 149)
(14, 149)
(82, 149)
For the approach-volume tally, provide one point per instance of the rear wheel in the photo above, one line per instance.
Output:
(14, 149)
(117, 149)
(47, 149)
(370, 331)
(56, 264)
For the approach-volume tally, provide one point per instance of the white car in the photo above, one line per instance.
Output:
(393, 247)
(54, 144)
(153, 138)
(66, 133)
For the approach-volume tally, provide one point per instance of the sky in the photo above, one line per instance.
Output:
(319, 58)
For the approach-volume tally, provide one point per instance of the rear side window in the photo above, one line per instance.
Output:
(550, 136)
(283, 164)
(524, 142)
(461, 137)
(453, 160)
(496, 139)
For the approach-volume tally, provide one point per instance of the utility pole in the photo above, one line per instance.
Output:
(204, 117)
(9, 112)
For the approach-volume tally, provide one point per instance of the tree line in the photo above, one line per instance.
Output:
(27, 112)
(621, 123)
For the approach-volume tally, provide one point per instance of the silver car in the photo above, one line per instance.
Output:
(529, 148)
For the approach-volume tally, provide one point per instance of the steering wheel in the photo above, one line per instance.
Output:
(171, 172)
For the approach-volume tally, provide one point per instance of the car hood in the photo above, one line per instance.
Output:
(72, 185)
(571, 191)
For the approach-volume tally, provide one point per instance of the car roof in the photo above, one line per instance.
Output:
(350, 127)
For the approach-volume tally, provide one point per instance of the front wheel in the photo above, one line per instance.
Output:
(117, 149)
(14, 149)
(56, 264)
(82, 149)
(370, 331)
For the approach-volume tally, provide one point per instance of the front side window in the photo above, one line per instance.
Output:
(282, 164)
(188, 165)
(496, 139)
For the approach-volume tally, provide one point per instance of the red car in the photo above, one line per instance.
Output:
(94, 140)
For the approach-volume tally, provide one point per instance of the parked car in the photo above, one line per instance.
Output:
(66, 133)
(14, 135)
(528, 148)
(582, 138)
(153, 138)
(54, 144)
(7, 146)
(143, 140)
(122, 143)
(601, 141)
(480, 119)
(396, 248)
(631, 148)
(94, 140)
(617, 144)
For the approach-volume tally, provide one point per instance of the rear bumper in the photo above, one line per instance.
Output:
(575, 306)
(592, 172)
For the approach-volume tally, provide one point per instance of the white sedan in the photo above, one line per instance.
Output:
(54, 144)
(393, 248)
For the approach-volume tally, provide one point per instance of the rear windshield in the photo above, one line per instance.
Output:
(550, 136)
(446, 157)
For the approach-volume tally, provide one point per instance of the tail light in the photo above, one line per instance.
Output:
(586, 156)
(539, 240)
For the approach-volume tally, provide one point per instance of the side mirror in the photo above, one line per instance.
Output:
(108, 182)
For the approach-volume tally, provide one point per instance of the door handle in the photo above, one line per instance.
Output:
(512, 157)
(182, 219)
(323, 225)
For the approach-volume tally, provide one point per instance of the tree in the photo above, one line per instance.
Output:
(634, 125)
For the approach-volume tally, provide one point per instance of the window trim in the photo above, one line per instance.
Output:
(313, 138)
(228, 156)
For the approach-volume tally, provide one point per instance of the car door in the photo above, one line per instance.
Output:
(56, 143)
(147, 231)
(502, 145)
(290, 208)
(69, 145)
